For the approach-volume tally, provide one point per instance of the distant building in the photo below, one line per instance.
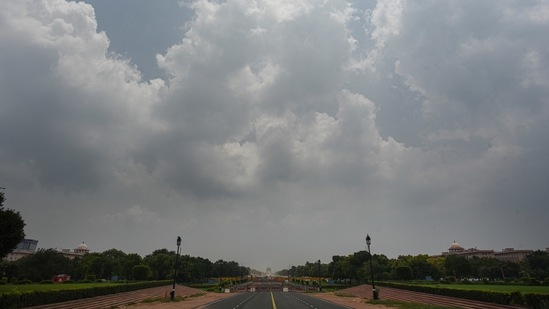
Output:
(28, 247)
(507, 254)
(25, 248)
(256, 273)
(512, 255)
(79, 251)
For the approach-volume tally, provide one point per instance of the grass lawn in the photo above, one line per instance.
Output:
(406, 305)
(6, 288)
(539, 289)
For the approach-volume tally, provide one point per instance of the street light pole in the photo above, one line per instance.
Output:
(374, 291)
(172, 293)
(319, 284)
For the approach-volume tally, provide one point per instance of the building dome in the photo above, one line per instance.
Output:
(82, 248)
(455, 247)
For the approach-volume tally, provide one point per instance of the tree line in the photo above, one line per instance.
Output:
(355, 268)
(115, 264)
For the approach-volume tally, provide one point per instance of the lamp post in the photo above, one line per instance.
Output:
(319, 285)
(374, 291)
(172, 293)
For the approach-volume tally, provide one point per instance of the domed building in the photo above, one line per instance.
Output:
(28, 247)
(508, 254)
(455, 248)
(81, 249)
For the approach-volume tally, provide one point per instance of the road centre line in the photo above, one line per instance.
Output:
(273, 300)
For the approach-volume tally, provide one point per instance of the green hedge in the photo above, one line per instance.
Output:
(19, 299)
(531, 300)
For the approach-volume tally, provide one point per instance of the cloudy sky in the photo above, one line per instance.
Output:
(273, 133)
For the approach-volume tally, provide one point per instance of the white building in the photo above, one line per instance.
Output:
(507, 254)
(28, 247)
(25, 248)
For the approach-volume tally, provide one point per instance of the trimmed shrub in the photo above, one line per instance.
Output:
(531, 300)
(46, 282)
(68, 281)
(18, 299)
(85, 281)
(23, 281)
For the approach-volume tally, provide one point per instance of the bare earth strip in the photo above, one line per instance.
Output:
(135, 297)
(365, 291)
(199, 298)
(356, 297)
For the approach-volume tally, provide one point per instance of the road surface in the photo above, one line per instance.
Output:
(272, 300)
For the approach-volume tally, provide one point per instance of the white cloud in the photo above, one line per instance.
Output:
(275, 118)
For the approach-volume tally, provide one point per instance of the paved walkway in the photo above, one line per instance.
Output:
(365, 291)
(120, 299)
(362, 291)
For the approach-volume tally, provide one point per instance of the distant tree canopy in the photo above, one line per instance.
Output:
(355, 268)
(107, 265)
(12, 228)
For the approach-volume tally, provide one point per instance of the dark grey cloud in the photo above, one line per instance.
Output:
(271, 125)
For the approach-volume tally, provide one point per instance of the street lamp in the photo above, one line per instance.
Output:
(319, 286)
(374, 291)
(172, 293)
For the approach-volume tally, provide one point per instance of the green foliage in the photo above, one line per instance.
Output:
(90, 278)
(141, 272)
(18, 299)
(405, 305)
(46, 282)
(68, 282)
(44, 264)
(457, 266)
(537, 264)
(129, 262)
(161, 264)
(11, 230)
(24, 281)
(404, 273)
(475, 292)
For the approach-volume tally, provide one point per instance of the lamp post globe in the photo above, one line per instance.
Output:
(374, 291)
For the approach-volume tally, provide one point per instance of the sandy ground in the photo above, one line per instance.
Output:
(197, 302)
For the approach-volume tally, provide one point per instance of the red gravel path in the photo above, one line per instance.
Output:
(365, 291)
(119, 299)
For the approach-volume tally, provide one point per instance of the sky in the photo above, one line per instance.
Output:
(272, 133)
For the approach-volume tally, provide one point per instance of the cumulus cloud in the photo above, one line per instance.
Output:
(275, 118)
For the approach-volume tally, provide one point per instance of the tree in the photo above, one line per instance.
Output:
(43, 265)
(404, 273)
(12, 228)
(437, 265)
(141, 272)
(458, 266)
(112, 263)
(130, 261)
(336, 267)
(161, 263)
(537, 264)
(487, 268)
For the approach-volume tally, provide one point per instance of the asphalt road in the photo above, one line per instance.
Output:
(272, 300)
